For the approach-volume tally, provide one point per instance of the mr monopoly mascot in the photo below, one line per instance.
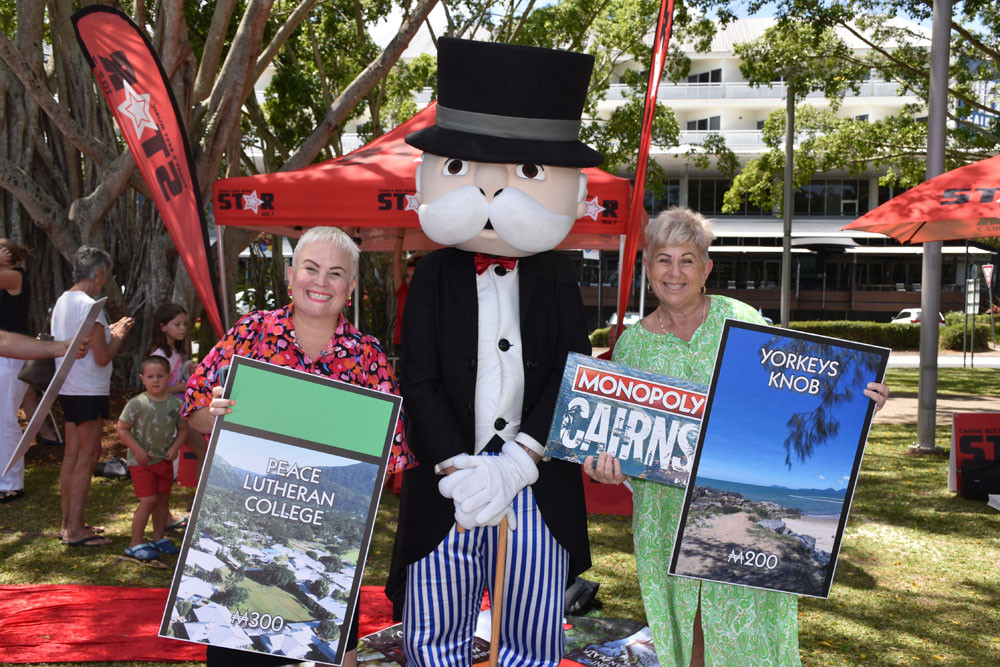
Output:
(487, 326)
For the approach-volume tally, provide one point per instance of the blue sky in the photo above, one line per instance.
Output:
(250, 453)
(744, 440)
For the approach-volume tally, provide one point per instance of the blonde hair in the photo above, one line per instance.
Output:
(679, 226)
(333, 236)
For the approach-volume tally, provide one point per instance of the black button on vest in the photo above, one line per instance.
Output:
(500, 424)
(471, 363)
(504, 344)
(468, 409)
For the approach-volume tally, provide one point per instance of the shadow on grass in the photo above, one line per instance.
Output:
(919, 570)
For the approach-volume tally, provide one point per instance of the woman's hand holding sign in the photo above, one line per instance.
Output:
(219, 406)
(878, 392)
(607, 469)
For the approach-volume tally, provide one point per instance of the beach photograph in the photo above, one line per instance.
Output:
(781, 445)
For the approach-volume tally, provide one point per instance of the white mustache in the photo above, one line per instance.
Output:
(517, 218)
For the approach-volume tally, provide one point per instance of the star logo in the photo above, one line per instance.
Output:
(411, 203)
(252, 202)
(593, 209)
(136, 109)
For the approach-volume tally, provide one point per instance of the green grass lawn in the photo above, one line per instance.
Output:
(957, 381)
(274, 601)
(917, 581)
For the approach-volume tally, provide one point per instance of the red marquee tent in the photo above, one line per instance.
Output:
(370, 193)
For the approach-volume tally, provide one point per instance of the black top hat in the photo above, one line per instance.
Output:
(509, 103)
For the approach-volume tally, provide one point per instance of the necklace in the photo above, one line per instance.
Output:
(704, 315)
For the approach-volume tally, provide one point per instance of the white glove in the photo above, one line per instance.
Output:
(448, 484)
(500, 478)
(459, 485)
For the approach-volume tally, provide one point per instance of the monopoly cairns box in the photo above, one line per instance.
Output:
(649, 422)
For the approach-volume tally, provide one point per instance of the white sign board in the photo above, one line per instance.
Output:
(971, 296)
(49, 397)
(988, 274)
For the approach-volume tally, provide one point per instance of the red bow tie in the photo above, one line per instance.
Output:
(484, 261)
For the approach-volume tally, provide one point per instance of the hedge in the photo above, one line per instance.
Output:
(894, 336)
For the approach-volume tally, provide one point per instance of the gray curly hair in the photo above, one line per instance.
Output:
(679, 226)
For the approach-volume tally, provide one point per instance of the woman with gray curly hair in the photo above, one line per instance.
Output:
(693, 622)
(84, 394)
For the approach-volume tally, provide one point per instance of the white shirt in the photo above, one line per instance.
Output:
(499, 367)
(86, 378)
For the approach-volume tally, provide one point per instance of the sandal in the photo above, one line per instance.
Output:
(142, 552)
(180, 523)
(164, 546)
(7, 496)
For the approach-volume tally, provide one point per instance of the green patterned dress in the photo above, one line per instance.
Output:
(742, 626)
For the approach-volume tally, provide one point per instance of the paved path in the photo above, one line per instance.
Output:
(947, 359)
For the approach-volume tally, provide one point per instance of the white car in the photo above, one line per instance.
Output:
(630, 319)
(912, 316)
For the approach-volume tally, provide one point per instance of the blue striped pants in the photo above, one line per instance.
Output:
(444, 591)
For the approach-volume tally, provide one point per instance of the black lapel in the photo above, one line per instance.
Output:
(530, 274)
(462, 279)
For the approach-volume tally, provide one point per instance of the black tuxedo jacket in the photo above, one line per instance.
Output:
(438, 381)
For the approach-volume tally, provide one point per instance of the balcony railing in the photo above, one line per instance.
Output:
(743, 90)
(735, 139)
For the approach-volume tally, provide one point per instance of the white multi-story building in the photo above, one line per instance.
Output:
(834, 273)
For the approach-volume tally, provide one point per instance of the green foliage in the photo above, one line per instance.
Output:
(599, 337)
(955, 337)
(333, 562)
(276, 574)
(617, 138)
(231, 595)
(808, 56)
(898, 336)
(320, 588)
(183, 608)
(396, 92)
(894, 336)
(328, 630)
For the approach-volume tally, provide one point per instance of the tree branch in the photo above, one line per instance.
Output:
(358, 88)
(60, 115)
(46, 212)
(281, 37)
(215, 41)
(224, 104)
(88, 211)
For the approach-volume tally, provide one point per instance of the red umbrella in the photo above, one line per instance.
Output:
(370, 192)
(963, 203)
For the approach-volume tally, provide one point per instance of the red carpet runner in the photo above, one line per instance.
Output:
(105, 623)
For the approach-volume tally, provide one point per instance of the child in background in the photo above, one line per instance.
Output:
(168, 339)
(152, 428)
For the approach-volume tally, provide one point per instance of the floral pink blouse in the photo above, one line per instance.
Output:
(350, 356)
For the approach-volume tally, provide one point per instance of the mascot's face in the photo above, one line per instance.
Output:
(500, 209)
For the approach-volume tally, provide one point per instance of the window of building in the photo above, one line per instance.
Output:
(887, 192)
(705, 124)
(669, 196)
(706, 195)
(760, 125)
(847, 197)
(863, 117)
(712, 76)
